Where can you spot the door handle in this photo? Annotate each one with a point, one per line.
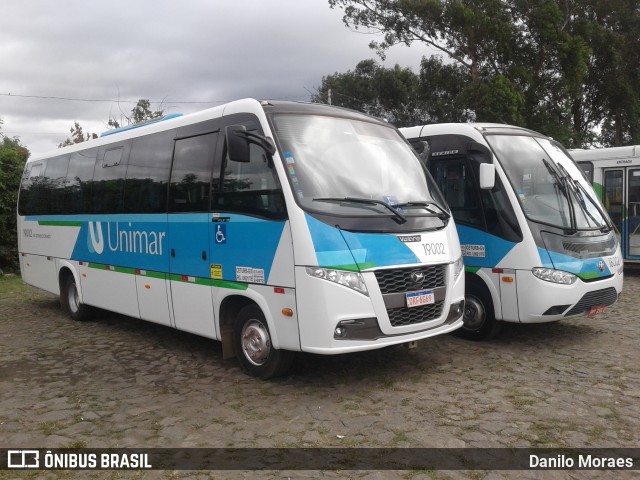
(173, 252)
(204, 255)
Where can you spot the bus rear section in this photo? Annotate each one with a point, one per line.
(537, 245)
(272, 227)
(615, 175)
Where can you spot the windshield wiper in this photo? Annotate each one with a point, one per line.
(583, 196)
(564, 184)
(442, 214)
(399, 217)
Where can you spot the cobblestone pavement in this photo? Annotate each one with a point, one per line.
(118, 382)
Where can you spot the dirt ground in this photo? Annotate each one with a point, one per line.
(120, 382)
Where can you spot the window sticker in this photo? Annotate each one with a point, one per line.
(473, 251)
(250, 275)
(288, 156)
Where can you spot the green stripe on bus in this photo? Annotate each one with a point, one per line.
(471, 269)
(588, 275)
(56, 223)
(208, 282)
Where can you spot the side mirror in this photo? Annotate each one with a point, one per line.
(237, 144)
(487, 176)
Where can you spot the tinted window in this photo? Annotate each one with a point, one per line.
(32, 199)
(251, 187)
(148, 173)
(108, 179)
(79, 180)
(55, 175)
(191, 174)
(456, 182)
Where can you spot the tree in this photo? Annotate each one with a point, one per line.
(398, 94)
(564, 68)
(142, 112)
(77, 136)
(391, 93)
(12, 159)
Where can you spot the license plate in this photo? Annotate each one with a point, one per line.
(597, 310)
(419, 298)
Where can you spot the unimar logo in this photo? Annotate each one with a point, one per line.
(124, 237)
(95, 240)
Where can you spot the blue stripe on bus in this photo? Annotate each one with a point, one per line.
(495, 248)
(336, 247)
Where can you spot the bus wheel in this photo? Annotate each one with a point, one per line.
(253, 346)
(479, 320)
(70, 300)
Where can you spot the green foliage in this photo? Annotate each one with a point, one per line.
(569, 69)
(77, 136)
(142, 112)
(12, 159)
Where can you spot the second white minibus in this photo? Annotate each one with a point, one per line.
(537, 244)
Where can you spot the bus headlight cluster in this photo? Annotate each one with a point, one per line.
(349, 279)
(458, 266)
(555, 276)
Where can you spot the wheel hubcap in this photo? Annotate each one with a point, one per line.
(474, 314)
(74, 302)
(256, 344)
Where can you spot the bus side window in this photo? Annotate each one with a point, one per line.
(55, 176)
(108, 178)
(251, 187)
(79, 181)
(32, 200)
(145, 187)
(455, 181)
(191, 173)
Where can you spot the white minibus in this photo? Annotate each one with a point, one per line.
(536, 242)
(273, 227)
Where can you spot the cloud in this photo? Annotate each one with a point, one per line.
(192, 51)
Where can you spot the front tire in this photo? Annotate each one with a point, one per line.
(70, 300)
(479, 318)
(253, 346)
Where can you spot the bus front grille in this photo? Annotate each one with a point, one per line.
(606, 297)
(396, 280)
(400, 317)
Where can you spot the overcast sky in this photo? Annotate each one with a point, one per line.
(209, 51)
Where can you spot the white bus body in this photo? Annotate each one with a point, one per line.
(274, 227)
(615, 175)
(537, 246)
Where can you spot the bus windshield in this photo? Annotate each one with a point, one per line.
(550, 188)
(341, 166)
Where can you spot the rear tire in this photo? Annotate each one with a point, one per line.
(253, 347)
(70, 301)
(479, 318)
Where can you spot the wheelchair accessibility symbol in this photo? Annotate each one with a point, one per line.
(221, 234)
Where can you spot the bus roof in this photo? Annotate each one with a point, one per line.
(612, 153)
(169, 122)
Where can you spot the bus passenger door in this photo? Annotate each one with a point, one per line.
(633, 214)
(189, 220)
(613, 198)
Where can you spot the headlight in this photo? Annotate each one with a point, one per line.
(351, 280)
(555, 276)
(458, 266)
